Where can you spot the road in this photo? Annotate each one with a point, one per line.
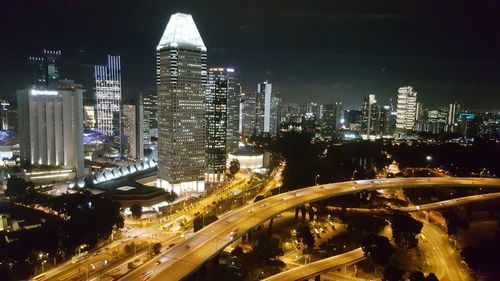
(103, 262)
(186, 257)
(427, 207)
(310, 270)
(441, 254)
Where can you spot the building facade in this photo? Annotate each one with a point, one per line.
(406, 109)
(51, 127)
(133, 130)
(267, 110)
(150, 104)
(108, 95)
(181, 78)
(247, 114)
(370, 114)
(46, 68)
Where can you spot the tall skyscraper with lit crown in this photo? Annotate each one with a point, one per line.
(181, 82)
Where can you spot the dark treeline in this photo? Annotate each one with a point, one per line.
(333, 162)
(83, 219)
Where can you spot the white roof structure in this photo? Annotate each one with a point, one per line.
(181, 32)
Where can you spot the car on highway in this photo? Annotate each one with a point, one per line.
(145, 276)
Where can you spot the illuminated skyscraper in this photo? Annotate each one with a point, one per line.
(453, 110)
(247, 114)
(369, 109)
(406, 109)
(46, 68)
(51, 127)
(150, 103)
(181, 78)
(108, 94)
(133, 132)
(267, 109)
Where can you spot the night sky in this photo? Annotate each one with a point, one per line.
(320, 51)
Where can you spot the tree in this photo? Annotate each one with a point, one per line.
(16, 187)
(454, 222)
(393, 273)
(363, 223)
(201, 220)
(417, 276)
(405, 229)
(156, 248)
(136, 211)
(127, 249)
(267, 248)
(234, 166)
(237, 251)
(431, 277)
(304, 234)
(377, 249)
(171, 196)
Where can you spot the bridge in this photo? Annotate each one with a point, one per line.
(183, 259)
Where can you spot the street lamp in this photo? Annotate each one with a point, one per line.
(353, 173)
(316, 179)
(429, 159)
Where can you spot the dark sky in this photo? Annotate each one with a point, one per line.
(310, 50)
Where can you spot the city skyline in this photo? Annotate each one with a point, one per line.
(364, 50)
(279, 140)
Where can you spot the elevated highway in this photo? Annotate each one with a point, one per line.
(313, 269)
(186, 257)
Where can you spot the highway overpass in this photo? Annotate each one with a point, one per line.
(183, 259)
(311, 270)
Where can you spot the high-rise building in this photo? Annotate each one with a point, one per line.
(406, 109)
(89, 120)
(274, 123)
(4, 116)
(46, 68)
(290, 113)
(339, 115)
(217, 115)
(329, 120)
(453, 110)
(233, 109)
(133, 132)
(150, 103)
(181, 78)
(370, 114)
(108, 94)
(267, 109)
(51, 127)
(433, 120)
(247, 114)
(384, 120)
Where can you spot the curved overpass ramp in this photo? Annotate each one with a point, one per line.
(310, 270)
(426, 207)
(186, 257)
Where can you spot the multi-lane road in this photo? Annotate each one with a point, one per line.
(186, 257)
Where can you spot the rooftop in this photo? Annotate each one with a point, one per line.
(181, 32)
